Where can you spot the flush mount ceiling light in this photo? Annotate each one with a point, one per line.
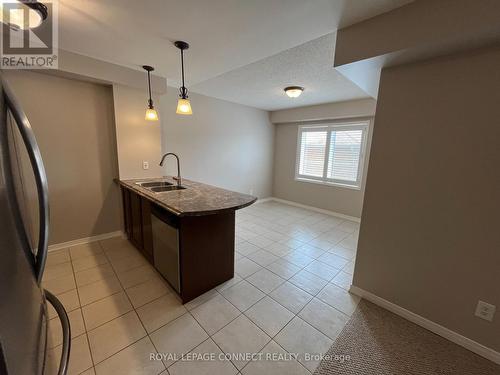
(183, 104)
(151, 114)
(294, 91)
(22, 14)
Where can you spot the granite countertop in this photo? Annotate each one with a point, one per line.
(195, 200)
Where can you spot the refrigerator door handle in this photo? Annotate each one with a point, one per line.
(40, 177)
(66, 332)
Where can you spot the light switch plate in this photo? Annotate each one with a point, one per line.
(485, 311)
(145, 165)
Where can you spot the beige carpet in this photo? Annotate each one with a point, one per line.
(381, 343)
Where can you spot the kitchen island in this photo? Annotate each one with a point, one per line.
(187, 232)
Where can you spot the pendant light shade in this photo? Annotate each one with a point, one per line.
(151, 114)
(183, 104)
(184, 107)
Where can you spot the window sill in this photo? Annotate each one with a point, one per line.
(332, 184)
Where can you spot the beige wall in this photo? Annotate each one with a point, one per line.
(138, 140)
(338, 199)
(74, 126)
(430, 238)
(223, 144)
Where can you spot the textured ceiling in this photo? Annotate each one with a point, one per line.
(261, 84)
(224, 34)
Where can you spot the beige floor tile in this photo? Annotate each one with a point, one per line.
(90, 261)
(324, 318)
(343, 252)
(300, 337)
(241, 336)
(350, 242)
(298, 258)
(58, 257)
(291, 297)
(308, 281)
(349, 267)
(55, 330)
(105, 310)
(274, 361)
(205, 297)
(137, 275)
(90, 371)
(343, 279)
(204, 367)
(245, 267)
(122, 252)
(243, 295)
(246, 248)
(333, 260)
(263, 257)
(129, 262)
(114, 336)
(265, 280)
(160, 311)
(56, 271)
(133, 360)
(322, 270)
(228, 284)
(80, 359)
(312, 250)
(94, 274)
(69, 300)
(283, 268)
(100, 289)
(60, 285)
(279, 249)
(148, 291)
(339, 298)
(269, 315)
(215, 314)
(178, 337)
(115, 243)
(85, 250)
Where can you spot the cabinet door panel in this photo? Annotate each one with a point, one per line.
(136, 218)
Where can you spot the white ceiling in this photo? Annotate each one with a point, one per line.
(261, 83)
(225, 35)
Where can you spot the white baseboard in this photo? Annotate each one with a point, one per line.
(81, 241)
(448, 334)
(312, 208)
(263, 200)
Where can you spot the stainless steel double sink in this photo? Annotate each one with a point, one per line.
(159, 186)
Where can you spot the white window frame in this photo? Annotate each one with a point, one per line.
(361, 124)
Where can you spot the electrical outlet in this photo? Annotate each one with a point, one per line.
(485, 311)
(145, 165)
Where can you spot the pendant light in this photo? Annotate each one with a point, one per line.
(183, 104)
(151, 114)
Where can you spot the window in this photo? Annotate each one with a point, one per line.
(332, 153)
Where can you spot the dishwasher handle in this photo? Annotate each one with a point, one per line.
(66, 332)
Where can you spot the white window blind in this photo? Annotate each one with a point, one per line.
(312, 153)
(332, 153)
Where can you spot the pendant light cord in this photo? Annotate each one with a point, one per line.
(183, 89)
(149, 89)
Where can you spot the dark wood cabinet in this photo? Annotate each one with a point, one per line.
(137, 221)
(204, 244)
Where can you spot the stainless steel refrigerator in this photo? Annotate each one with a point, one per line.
(24, 229)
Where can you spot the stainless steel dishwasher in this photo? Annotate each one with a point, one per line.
(166, 257)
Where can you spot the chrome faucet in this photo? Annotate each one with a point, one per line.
(178, 178)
